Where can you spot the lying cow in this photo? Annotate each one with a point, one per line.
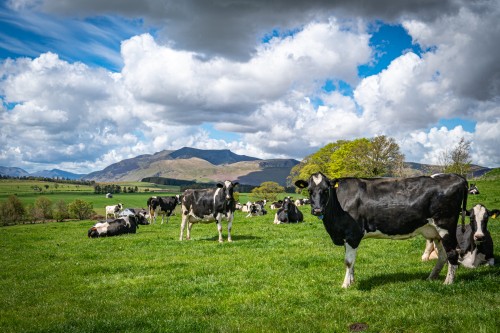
(119, 226)
(475, 244)
(288, 213)
(114, 210)
(208, 205)
(256, 209)
(473, 189)
(140, 213)
(394, 208)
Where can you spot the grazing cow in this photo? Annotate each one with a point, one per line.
(473, 189)
(475, 244)
(119, 226)
(394, 208)
(114, 210)
(207, 205)
(163, 205)
(288, 213)
(140, 213)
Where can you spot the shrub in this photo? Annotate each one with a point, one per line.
(61, 211)
(12, 211)
(80, 209)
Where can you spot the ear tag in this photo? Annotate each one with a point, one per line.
(336, 185)
(494, 216)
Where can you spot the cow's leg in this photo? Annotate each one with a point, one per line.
(441, 260)
(429, 248)
(350, 258)
(450, 246)
(183, 225)
(219, 228)
(229, 227)
(190, 225)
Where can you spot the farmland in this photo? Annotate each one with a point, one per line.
(272, 278)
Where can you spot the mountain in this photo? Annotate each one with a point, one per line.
(56, 173)
(13, 172)
(197, 164)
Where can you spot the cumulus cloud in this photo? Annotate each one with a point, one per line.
(207, 64)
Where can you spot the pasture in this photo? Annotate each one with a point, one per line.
(272, 278)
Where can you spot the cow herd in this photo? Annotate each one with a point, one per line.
(351, 209)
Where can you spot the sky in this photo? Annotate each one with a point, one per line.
(86, 83)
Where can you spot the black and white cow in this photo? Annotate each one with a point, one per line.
(394, 208)
(288, 213)
(113, 210)
(475, 244)
(140, 213)
(256, 209)
(473, 189)
(119, 226)
(208, 205)
(162, 205)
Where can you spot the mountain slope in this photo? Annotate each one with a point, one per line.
(13, 172)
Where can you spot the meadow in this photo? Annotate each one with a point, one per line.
(272, 278)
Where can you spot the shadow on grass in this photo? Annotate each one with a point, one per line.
(234, 237)
(383, 279)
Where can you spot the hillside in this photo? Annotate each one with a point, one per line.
(199, 165)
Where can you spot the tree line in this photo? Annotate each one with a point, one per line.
(112, 188)
(13, 211)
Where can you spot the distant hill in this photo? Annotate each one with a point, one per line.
(56, 173)
(197, 165)
(13, 172)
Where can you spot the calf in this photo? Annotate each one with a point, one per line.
(119, 226)
(394, 208)
(475, 244)
(207, 205)
(288, 213)
(113, 210)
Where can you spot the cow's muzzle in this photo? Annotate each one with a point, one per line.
(478, 238)
(316, 211)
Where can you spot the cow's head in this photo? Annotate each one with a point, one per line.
(479, 216)
(318, 187)
(228, 188)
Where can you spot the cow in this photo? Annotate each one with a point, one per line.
(288, 213)
(140, 213)
(473, 189)
(394, 208)
(164, 205)
(114, 210)
(115, 227)
(207, 205)
(256, 208)
(475, 244)
(276, 205)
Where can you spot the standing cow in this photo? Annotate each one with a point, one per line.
(163, 205)
(207, 205)
(114, 210)
(394, 208)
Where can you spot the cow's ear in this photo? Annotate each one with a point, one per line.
(494, 213)
(301, 183)
(236, 183)
(220, 185)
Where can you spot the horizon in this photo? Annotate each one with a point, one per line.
(87, 84)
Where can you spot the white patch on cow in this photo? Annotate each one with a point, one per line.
(429, 231)
(474, 259)
(216, 194)
(450, 276)
(350, 258)
(436, 175)
(481, 215)
(317, 179)
(227, 183)
(101, 227)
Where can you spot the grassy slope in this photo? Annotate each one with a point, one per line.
(271, 278)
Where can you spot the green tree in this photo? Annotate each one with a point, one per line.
(267, 191)
(12, 211)
(459, 158)
(43, 208)
(80, 209)
(61, 211)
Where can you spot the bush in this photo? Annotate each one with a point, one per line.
(12, 211)
(43, 208)
(61, 211)
(80, 209)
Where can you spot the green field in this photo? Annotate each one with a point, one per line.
(272, 278)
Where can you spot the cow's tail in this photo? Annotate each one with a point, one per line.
(464, 206)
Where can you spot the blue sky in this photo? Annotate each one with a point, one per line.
(85, 84)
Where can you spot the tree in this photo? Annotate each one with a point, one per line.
(267, 191)
(43, 208)
(459, 158)
(12, 211)
(61, 211)
(80, 209)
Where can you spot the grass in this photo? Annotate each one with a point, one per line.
(272, 278)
